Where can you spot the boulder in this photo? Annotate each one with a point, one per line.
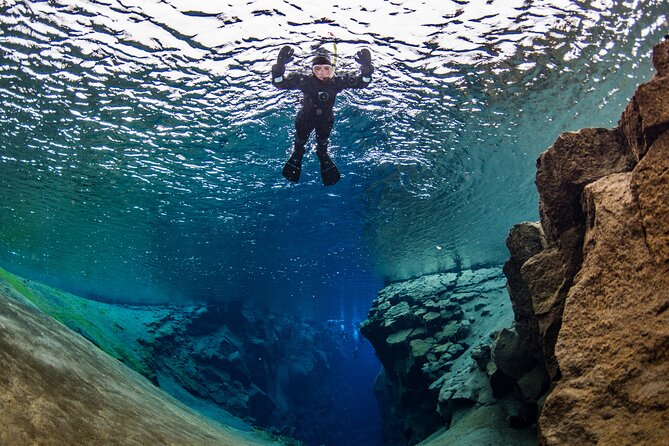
(661, 58)
(482, 356)
(646, 116)
(399, 338)
(510, 354)
(533, 384)
(544, 276)
(525, 240)
(650, 187)
(613, 343)
(573, 161)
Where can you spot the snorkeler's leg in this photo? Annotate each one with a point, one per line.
(293, 167)
(329, 172)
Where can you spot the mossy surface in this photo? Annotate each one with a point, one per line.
(96, 321)
(17, 284)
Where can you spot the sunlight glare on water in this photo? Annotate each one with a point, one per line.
(142, 142)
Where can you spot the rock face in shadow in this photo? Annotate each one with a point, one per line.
(265, 368)
(434, 336)
(599, 290)
(56, 388)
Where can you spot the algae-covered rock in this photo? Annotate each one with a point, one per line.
(420, 347)
(426, 369)
(401, 337)
(56, 388)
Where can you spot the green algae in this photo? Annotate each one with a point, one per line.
(18, 285)
(95, 321)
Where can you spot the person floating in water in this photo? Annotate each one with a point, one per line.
(319, 90)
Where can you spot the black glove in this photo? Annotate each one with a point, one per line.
(363, 57)
(285, 55)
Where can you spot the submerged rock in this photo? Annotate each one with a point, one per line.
(483, 425)
(249, 368)
(59, 389)
(600, 290)
(427, 332)
(575, 160)
(525, 240)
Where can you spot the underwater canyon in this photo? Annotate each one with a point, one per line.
(142, 208)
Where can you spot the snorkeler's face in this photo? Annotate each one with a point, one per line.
(323, 72)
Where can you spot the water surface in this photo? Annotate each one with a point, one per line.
(141, 141)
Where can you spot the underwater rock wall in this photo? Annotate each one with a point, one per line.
(56, 388)
(433, 336)
(587, 353)
(243, 367)
(265, 368)
(595, 297)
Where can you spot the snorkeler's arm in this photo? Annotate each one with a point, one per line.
(279, 79)
(290, 82)
(364, 77)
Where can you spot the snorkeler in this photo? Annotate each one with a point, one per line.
(319, 90)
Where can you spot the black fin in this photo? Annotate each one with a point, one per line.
(329, 172)
(292, 169)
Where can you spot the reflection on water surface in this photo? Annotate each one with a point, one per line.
(142, 142)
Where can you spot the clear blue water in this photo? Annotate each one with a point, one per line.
(141, 142)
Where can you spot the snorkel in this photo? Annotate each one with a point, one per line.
(334, 45)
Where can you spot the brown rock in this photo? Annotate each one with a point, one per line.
(650, 186)
(646, 116)
(613, 347)
(524, 241)
(572, 162)
(544, 275)
(533, 384)
(661, 58)
(510, 355)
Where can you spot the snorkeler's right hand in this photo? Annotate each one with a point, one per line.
(285, 55)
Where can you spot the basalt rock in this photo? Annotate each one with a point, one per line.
(575, 160)
(614, 342)
(517, 368)
(661, 58)
(600, 290)
(544, 275)
(248, 367)
(647, 115)
(650, 187)
(614, 337)
(525, 240)
(259, 366)
(432, 337)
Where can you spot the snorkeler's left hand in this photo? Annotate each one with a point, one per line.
(363, 57)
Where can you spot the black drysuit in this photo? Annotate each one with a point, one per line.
(319, 97)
